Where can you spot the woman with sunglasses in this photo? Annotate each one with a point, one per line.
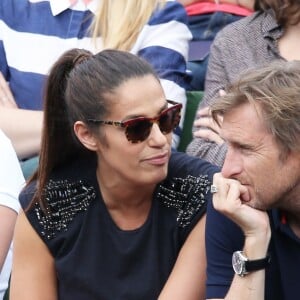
(110, 209)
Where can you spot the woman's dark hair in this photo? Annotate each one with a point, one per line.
(78, 88)
(287, 12)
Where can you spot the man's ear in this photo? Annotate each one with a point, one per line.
(85, 136)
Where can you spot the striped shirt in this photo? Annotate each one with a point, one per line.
(33, 34)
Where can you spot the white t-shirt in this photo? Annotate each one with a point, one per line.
(11, 183)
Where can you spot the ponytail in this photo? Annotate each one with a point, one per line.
(58, 143)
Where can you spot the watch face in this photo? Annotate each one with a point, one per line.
(242, 265)
(237, 263)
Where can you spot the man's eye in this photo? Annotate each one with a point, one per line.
(245, 148)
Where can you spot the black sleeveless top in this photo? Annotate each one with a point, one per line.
(95, 259)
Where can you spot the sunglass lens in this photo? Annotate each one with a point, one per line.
(169, 120)
(138, 130)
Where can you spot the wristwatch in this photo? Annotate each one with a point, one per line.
(242, 265)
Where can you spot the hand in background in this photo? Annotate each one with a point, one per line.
(207, 128)
(6, 96)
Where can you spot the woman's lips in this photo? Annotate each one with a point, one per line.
(160, 159)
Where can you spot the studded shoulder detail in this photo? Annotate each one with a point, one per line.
(64, 201)
(187, 195)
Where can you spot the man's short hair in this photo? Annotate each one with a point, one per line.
(275, 88)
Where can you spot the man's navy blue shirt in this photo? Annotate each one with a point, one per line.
(223, 237)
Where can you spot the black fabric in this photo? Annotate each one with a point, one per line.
(6, 294)
(223, 237)
(94, 258)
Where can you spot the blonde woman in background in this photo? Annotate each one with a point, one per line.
(154, 30)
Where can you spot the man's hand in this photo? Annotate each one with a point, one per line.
(233, 200)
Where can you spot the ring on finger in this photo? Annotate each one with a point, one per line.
(213, 189)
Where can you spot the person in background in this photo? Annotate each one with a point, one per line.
(155, 30)
(253, 225)
(206, 19)
(114, 207)
(271, 33)
(11, 183)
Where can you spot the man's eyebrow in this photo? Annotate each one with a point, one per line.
(241, 145)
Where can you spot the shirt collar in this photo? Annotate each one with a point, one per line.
(58, 6)
(270, 28)
(279, 218)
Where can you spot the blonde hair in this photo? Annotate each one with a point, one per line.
(276, 89)
(119, 22)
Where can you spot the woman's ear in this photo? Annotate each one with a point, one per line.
(85, 136)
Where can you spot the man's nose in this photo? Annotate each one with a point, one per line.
(232, 164)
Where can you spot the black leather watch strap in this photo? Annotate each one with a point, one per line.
(257, 264)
